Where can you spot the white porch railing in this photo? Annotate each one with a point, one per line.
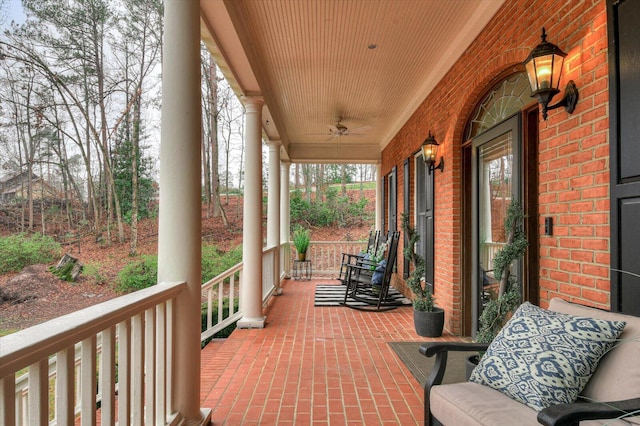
(270, 272)
(137, 368)
(44, 369)
(326, 256)
(227, 285)
(214, 292)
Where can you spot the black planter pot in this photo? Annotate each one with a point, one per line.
(429, 324)
(471, 364)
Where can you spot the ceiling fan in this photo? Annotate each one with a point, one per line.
(340, 129)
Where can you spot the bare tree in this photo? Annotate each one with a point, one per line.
(141, 29)
(211, 114)
(307, 176)
(69, 43)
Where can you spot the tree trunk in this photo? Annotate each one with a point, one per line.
(215, 178)
(135, 141)
(307, 175)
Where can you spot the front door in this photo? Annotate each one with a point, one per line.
(499, 163)
(497, 181)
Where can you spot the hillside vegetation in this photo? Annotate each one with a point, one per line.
(31, 294)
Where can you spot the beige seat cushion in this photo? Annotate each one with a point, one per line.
(471, 404)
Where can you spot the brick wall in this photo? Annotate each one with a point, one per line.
(573, 149)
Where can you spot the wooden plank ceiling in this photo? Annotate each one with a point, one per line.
(339, 77)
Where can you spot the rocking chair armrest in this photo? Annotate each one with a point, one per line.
(355, 259)
(430, 349)
(358, 266)
(350, 256)
(572, 414)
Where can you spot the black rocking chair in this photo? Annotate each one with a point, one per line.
(355, 258)
(361, 285)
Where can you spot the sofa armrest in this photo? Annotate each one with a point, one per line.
(441, 350)
(432, 348)
(572, 414)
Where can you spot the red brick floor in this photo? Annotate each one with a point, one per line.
(313, 365)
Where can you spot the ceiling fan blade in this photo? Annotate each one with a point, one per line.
(360, 129)
(334, 129)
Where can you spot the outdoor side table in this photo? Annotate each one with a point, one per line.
(301, 270)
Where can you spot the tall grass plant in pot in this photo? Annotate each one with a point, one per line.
(301, 239)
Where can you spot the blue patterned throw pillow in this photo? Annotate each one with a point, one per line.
(542, 358)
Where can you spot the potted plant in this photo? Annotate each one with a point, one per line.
(301, 239)
(497, 311)
(428, 319)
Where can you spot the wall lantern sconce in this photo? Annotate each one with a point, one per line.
(430, 152)
(544, 67)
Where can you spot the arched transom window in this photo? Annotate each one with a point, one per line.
(504, 100)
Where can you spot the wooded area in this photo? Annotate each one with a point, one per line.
(80, 96)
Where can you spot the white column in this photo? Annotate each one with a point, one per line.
(273, 208)
(285, 216)
(251, 285)
(179, 245)
(379, 200)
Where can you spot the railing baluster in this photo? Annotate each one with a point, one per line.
(88, 382)
(137, 369)
(124, 373)
(220, 301)
(210, 307)
(107, 375)
(38, 393)
(22, 406)
(149, 366)
(161, 359)
(232, 294)
(8, 400)
(171, 317)
(65, 380)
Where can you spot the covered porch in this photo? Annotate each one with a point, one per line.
(291, 362)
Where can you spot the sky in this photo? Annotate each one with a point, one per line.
(12, 12)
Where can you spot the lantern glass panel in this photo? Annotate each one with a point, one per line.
(558, 63)
(544, 68)
(531, 73)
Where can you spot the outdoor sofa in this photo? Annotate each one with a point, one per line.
(616, 378)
